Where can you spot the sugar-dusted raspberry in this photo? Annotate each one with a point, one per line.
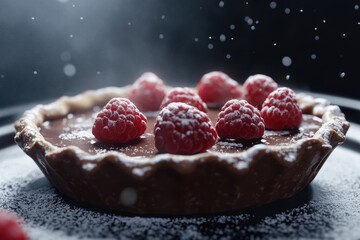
(239, 120)
(183, 129)
(185, 95)
(257, 87)
(120, 121)
(10, 227)
(280, 110)
(215, 88)
(148, 92)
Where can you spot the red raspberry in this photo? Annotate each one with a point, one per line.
(10, 228)
(120, 121)
(185, 95)
(239, 120)
(281, 111)
(256, 88)
(215, 88)
(183, 129)
(148, 92)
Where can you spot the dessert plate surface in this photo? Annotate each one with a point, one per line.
(327, 208)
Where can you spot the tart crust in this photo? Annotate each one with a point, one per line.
(176, 184)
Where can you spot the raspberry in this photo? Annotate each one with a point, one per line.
(239, 120)
(10, 228)
(215, 88)
(185, 95)
(183, 129)
(256, 88)
(148, 92)
(281, 111)
(120, 121)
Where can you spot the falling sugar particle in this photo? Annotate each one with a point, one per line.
(232, 38)
(252, 27)
(315, 28)
(273, 5)
(128, 196)
(286, 61)
(287, 10)
(228, 56)
(210, 37)
(161, 36)
(163, 17)
(81, 18)
(35, 72)
(210, 46)
(32, 18)
(69, 70)
(196, 39)
(65, 56)
(71, 36)
(222, 38)
(232, 26)
(257, 21)
(2, 76)
(356, 7)
(63, 1)
(317, 38)
(98, 73)
(344, 34)
(301, 10)
(221, 3)
(313, 56)
(129, 23)
(287, 77)
(342, 75)
(248, 20)
(324, 21)
(275, 44)
(73, 5)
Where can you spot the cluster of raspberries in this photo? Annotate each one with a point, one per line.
(183, 125)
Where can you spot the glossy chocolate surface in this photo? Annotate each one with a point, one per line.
(75, 129)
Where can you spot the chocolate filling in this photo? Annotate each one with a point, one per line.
(75, 129)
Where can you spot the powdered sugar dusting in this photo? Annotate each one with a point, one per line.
(289, 155)
(276, 133)
(77, 134)
(80, 129)
(229, 143)
(328, 209)
(89, 166)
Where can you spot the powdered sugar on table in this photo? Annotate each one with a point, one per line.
(328, 208)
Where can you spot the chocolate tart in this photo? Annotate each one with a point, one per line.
(135, 178)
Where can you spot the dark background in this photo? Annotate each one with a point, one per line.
(50, 48)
